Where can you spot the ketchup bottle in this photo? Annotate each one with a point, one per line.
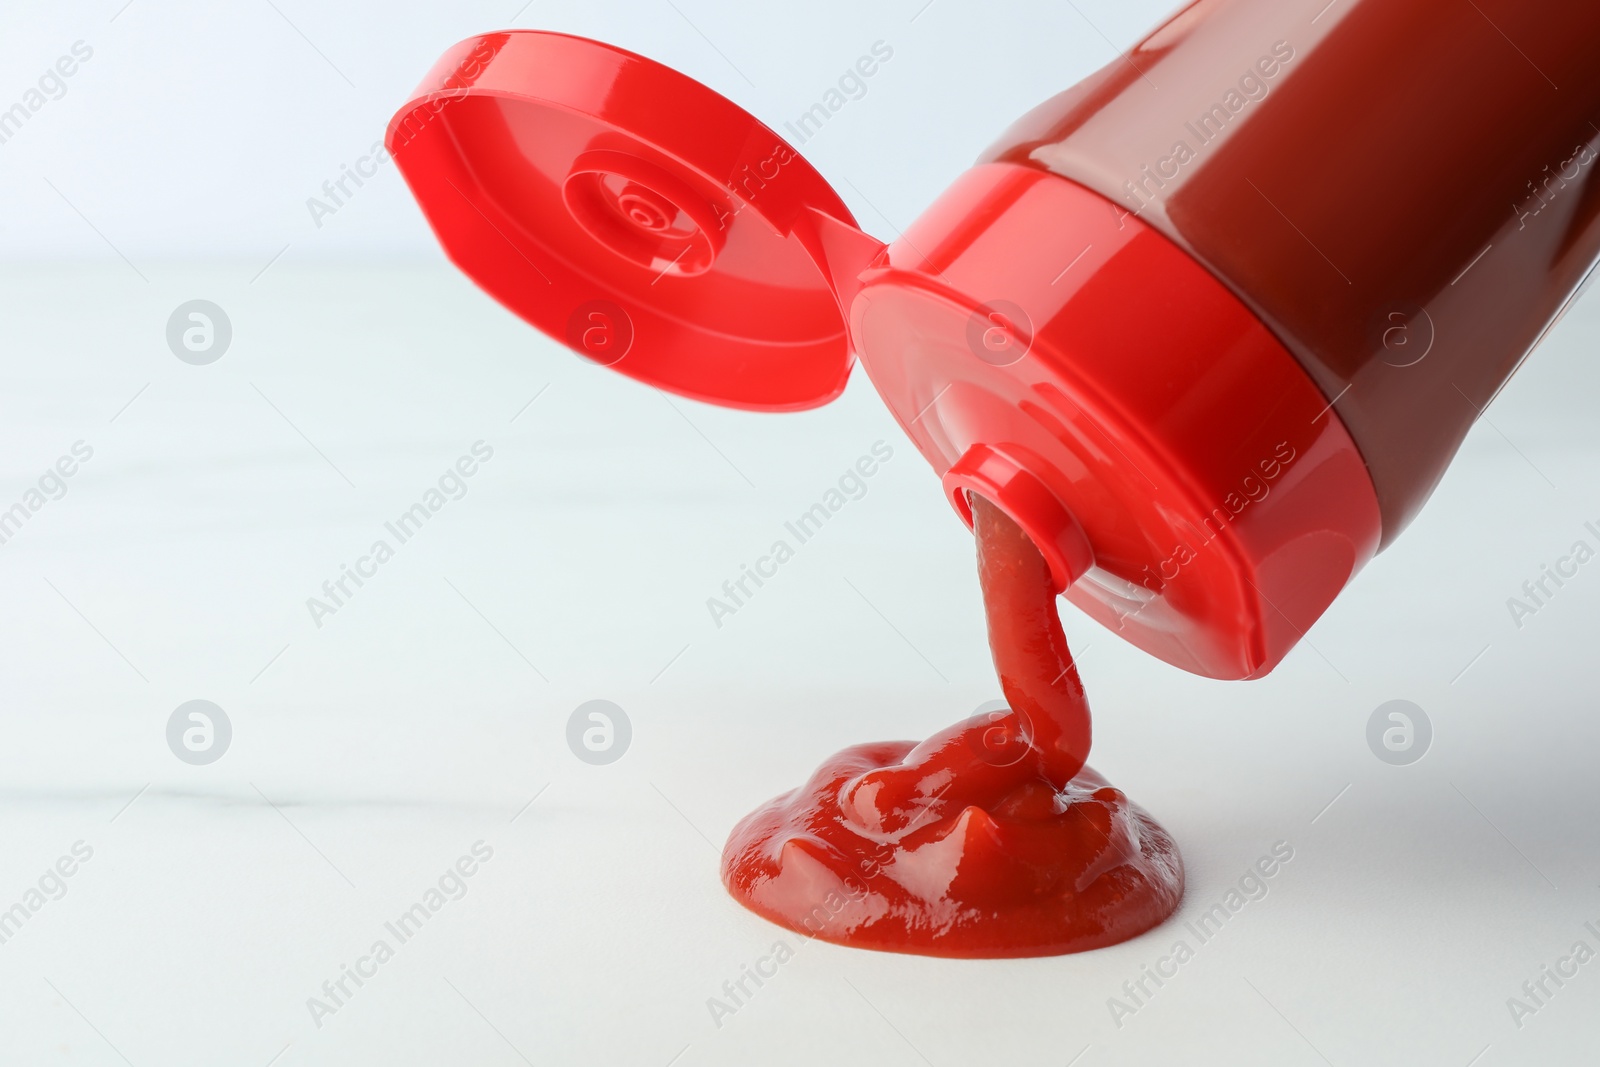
(1209, 326)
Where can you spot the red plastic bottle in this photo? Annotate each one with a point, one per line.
(1208, 326)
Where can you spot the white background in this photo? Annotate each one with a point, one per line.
(200, 128)
(370, 753)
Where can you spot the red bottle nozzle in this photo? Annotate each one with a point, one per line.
(1008, 482)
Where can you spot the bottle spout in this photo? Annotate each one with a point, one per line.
(1005, 480)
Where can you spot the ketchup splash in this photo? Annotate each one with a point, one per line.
(989, 839)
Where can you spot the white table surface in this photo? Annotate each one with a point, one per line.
(370, 753)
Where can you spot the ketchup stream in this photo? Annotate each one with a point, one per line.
(991, 838)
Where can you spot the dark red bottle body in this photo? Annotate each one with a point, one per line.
(1404, 191)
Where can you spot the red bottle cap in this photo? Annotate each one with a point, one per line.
(1188, 483)
(627, 210)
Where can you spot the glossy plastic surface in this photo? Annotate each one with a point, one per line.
(630, 212)
(1405, 191)
(1183, 477)
(1223, 508)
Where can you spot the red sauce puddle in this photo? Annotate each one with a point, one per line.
(989, 839)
